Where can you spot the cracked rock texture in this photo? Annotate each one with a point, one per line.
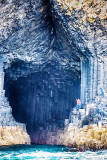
(51, 53)
(88, 137)
(13, 135)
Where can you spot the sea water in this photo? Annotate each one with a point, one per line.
(47, 152)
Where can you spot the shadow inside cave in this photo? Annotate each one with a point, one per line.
(42, 98)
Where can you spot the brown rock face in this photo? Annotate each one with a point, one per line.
(13, 136)
(88, 137)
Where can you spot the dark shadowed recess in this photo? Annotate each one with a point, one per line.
(43, 97)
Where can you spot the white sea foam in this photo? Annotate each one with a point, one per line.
(53, 154)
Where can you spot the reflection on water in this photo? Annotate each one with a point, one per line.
(47, 152)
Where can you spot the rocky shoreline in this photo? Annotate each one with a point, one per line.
(87, 138)
(90, 137)
(13, 135)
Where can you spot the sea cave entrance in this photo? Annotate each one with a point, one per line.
(42, 98)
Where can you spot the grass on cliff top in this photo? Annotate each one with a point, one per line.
(93, 8)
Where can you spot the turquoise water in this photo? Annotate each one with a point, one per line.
(46, 152)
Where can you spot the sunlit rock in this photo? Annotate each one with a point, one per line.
(88, 137)
(13, 135)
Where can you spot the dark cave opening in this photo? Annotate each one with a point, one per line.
(44, 97)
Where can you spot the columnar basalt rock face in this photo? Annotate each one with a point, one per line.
(90, 41)
(46, 53)
(89, 37)
(8, 125)
(29, 46)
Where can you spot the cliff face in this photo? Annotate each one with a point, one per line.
(90, 40)
(88, 137)
(11, 132)
(26, 31)
(51, 55)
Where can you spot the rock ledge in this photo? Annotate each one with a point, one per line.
(13, 135)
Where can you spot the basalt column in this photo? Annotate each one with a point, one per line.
(1, 79)
(5, 110)
(9, 128)
(85, 80)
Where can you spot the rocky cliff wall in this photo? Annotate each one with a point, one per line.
(89, 38)
(48, 47)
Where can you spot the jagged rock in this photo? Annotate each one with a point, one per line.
(13, 135)
(11, 132)
(51, 54)
(88, 137)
